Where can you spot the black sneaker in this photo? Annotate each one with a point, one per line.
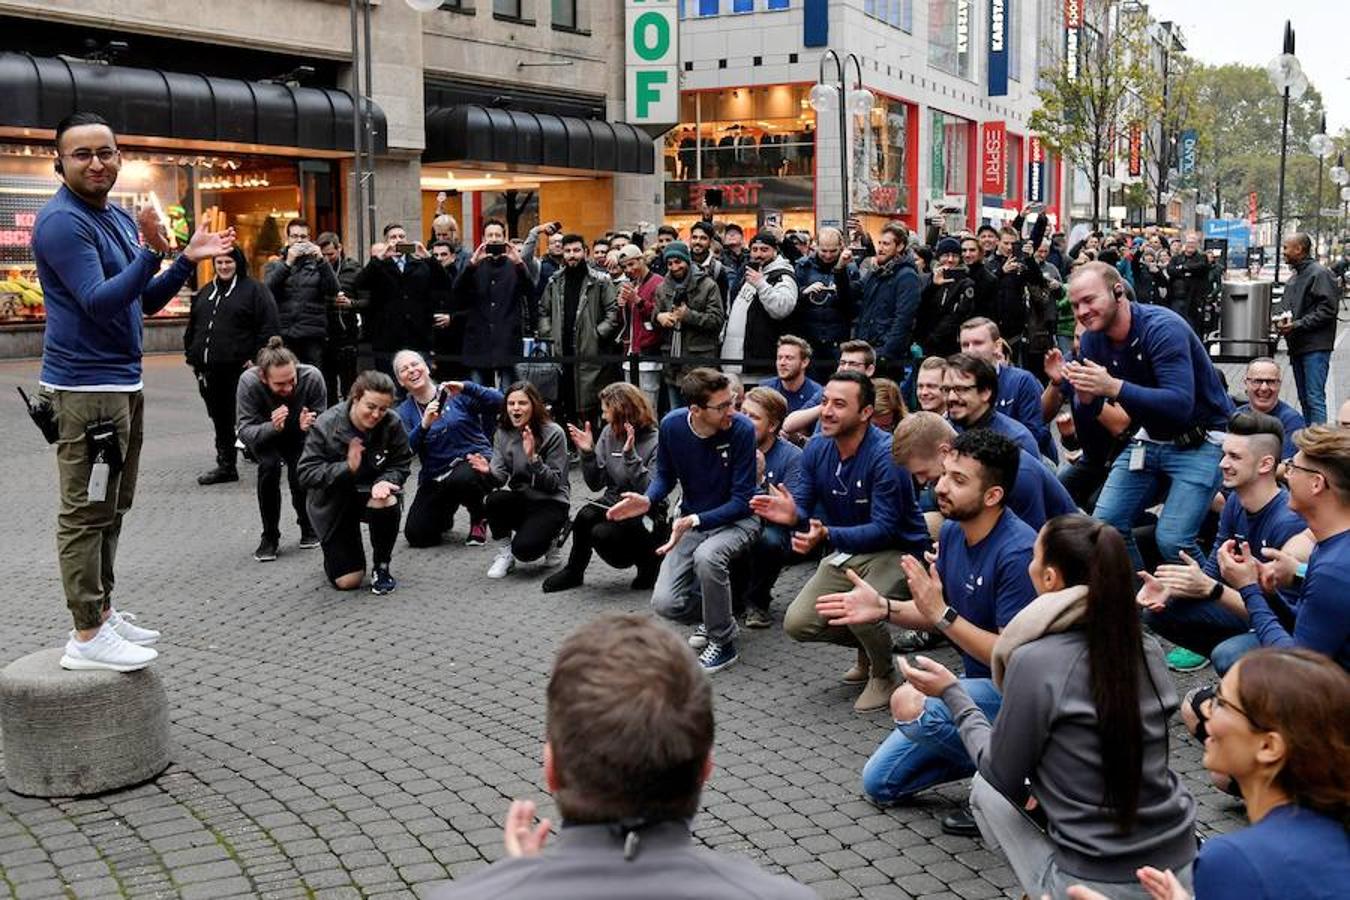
(912, 641)
(758, 618)
(267, 549)
(645, 579)
(218, 475)
(381, 582)
(309, 539)
(562, 580)
(961, 823)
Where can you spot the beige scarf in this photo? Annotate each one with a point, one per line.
(1047, 614)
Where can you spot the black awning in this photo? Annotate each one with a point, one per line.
(40, 91)
(480, 134)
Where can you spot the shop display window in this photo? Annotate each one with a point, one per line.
(880, 164)
(761, 132)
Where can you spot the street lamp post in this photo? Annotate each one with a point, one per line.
(1321, 147)
(858, 101)
(1340, 177)
(1287, 75)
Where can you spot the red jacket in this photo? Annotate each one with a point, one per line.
(640, 331)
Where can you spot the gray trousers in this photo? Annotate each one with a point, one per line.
(695, 581)
(1031, 853)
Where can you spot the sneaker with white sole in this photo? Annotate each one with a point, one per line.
(122, 623)
(699, 639)
(554, 557)
(716, 657)
(477, 534)
(503, 564)
(106, 650)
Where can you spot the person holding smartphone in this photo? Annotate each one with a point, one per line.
(303, 285)
(355, 462)
(405, 287)
(619, 460)
(496, 295)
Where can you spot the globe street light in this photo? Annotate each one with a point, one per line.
(1321, 147)
(827, 98)
(1286, 74)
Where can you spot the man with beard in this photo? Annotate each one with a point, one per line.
(759, 314)
(689, 307)
(100, 275)
(702, 236)
(890, 302)
(947, 301)
(792, 361)
(970, 593)
(867, 515)
(735, 258)
(971, 386)
(579, 314)
(826, 300)
(986, 282)
(1263, 395)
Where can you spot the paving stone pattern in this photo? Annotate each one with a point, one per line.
(356, 746)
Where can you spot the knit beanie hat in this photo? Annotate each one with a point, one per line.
(947, 245)
(677, 250)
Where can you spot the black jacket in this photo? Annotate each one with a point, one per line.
(1187, 279)
(343, 327)
(497, 299)
(1311, 295)
(304, 293)
(228, 324)
(942, 309)
(399, 305)
(986, 291)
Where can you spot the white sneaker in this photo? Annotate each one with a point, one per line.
(122, 624)
(106, 650)
(503, 564)
(554, 556)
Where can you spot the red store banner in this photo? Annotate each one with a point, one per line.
(994, 159)
(1136, 149)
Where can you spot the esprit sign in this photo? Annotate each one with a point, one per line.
(993, 163)
(652, 45)
(998, 47)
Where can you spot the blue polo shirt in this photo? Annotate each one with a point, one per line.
(1037, 495)
(781, 462)
(1290, 418)
(808, 395)
(1270, 526)
(866, 501)
(716, 474)
(1019, 398)
(1322, 622)
(1010, 428)
(987, 583)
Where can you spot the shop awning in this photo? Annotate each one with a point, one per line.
(481, 134)
(40, 91)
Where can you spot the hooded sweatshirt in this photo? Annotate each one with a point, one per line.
(759, 315)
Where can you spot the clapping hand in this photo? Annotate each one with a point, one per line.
(777, 506)
(529, 444)
(1185, 579)
(479, 463)
(1054, 365)
(279, 417)
(677, 531)
(860, 606)
(520, 835)
(629, 436)
(153, 233)
(925, 588)
(1091, 379)
(355, 449)
(927, 676)
(1153, 595)
(307, 417)
(206, 244)
(630, 506)
(582, 438)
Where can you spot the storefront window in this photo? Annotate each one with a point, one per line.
(254, 194)
(950, 35)
(880, 163)
(950, 155)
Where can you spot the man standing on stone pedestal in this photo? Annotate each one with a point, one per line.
(100, 272)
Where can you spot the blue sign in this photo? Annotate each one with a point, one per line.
(998, 47)
(1238, 233)
(1189, 152)
(816, 23)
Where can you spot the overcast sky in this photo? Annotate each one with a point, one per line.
(1251, 31)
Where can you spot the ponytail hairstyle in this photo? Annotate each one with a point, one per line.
(1088, 552)
(274, 354)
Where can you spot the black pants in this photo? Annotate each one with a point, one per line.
(343, 552)
(282, 451)
(531, 525)
(217, 385)
(620, 544)
(754, 574)
(339, 369)
(437, 501)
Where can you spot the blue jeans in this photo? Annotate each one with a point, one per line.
(1310, 377)
(926, 752)
(1194, 479)
(1231, 650)
(1197, 624)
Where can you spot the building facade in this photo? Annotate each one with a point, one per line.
(944, 134)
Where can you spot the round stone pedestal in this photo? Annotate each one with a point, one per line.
(68, 734)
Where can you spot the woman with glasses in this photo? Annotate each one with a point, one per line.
(1278, 727)
(1073, 781)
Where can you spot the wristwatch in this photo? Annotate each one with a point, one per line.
(947, 619)
(1215, 592)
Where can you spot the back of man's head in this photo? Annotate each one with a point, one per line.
(630, 723)
(920, 435)
(1328, 448)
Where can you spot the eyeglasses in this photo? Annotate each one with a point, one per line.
(1290, 464)
(720, 407)
(1264, 382)
(1221, 702)
(84, 157)
(957, 388)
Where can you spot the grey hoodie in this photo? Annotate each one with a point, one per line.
(614, 471)
(543, 479)
(1046, 731)
(330, 486)
(254, 403)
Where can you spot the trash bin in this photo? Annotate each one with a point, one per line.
(1245, 321)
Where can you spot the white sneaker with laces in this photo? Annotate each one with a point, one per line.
(122, 623)
(503, 564)
(106, 650)
(554, 556)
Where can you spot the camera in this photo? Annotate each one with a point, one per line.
(443, 397)
(495, 249)
(405, 247)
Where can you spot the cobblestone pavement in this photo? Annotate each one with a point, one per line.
(356, 746)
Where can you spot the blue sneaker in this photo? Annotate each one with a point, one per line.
(381, 582)
(716, 657)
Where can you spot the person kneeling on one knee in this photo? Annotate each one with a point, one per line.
(355, 462)
(618, 461)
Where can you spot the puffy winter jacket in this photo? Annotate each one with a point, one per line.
(229, 323)
(759, 315)
(890, 302)
(303, 290)
(825, 316)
